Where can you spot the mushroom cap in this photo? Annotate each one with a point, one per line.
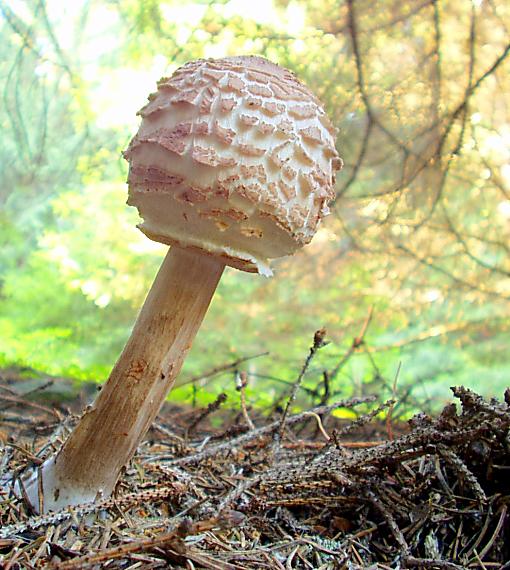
(236, 157)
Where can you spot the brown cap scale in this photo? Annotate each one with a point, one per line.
(236, 157)
(233, 164)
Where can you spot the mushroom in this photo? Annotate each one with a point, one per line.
(233, 164)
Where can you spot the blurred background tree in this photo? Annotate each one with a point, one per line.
(410, 274)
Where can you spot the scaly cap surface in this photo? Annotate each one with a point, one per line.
(234, 156)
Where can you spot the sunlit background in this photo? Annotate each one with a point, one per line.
(414, 258)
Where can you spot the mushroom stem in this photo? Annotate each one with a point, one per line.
(88, 465)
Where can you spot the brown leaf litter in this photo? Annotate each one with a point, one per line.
(260, 494)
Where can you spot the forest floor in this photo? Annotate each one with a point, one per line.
(230, 489)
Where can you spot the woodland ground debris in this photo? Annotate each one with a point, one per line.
(336, 494)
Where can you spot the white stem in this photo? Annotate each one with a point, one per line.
(88, 465)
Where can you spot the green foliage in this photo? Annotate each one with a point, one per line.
(419, 233)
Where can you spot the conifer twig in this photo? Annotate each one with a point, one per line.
(318, 342)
